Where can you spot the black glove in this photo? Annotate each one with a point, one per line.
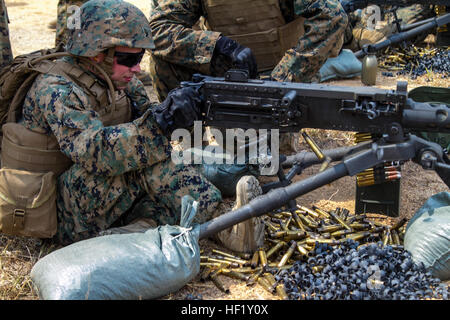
(180, 109)
(242, 57)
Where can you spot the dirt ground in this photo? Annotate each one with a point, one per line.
(29, 30)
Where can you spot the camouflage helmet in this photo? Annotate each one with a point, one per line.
(106, 24)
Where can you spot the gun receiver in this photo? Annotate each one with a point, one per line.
(237, 102)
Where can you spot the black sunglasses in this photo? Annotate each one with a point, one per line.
(129, 59)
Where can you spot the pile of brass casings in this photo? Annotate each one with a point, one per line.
(415, 61)
(292, 236)
(388, 171)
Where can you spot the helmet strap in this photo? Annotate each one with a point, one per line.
(108, 62)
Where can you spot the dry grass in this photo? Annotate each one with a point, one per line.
(29, 21)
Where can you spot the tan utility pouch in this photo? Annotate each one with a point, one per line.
(27, 203)
(27, 150)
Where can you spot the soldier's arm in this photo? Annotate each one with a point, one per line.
(175, 40)
(63, 108)
(324, 31)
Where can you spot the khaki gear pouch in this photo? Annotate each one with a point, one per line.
(27, 203)
(24, 149)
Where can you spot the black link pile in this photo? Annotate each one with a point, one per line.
(415, 62)
(355, 272)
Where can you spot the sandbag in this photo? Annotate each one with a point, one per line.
(345, 65)
(131, 266)
(427, 235)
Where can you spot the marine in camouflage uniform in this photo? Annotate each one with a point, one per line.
(182, 51)
(6, 56)
(62, 16)
(358, 34)
(120, 172)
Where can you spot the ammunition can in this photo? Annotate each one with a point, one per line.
(288, 254)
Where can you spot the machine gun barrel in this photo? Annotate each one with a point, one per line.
(402, 36)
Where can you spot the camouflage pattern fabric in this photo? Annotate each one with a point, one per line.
(6, 55)
(114, 167)
(182, 51)
(61, 19)
(360, 34)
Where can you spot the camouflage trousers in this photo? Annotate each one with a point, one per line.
(6, 55)
(359, 34)
(62, 16)
(88, 204)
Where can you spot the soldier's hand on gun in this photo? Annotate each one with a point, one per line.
(179, 110)
(242, 57)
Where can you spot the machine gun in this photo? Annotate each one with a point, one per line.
(353, 5)
(235, 101)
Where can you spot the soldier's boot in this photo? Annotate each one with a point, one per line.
(248, 235)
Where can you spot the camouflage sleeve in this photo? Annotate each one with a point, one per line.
(325, 24)
(138, 96)
(175, 40)
(61, 107)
